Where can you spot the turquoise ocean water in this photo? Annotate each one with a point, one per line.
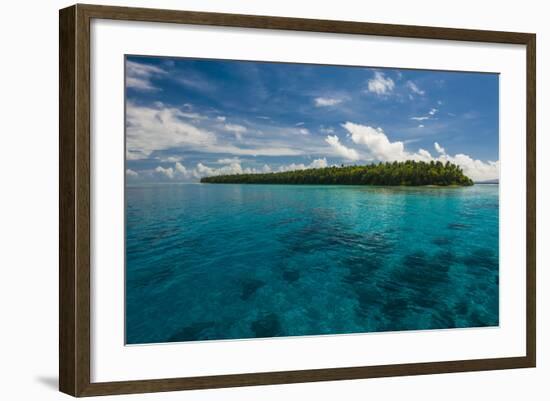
(213, 261)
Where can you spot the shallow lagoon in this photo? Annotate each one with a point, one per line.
(215, 261)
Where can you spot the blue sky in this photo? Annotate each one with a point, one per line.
(187, 118)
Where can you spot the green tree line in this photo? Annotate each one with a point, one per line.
(409, 172)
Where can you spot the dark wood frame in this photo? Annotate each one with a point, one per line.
(74, 199)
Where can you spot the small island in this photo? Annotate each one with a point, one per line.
(408, 173)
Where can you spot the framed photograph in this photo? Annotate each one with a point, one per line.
(250, 200)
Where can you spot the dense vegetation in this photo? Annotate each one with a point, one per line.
(409, 172)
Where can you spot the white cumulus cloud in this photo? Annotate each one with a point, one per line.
(341, 150)
(181, 169)
(382, 149)
(380, 84)
(166, 172)
(179, 172)
(317, 163)
(477, 170)
(376, 141)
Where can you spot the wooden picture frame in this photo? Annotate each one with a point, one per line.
(74, 200)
